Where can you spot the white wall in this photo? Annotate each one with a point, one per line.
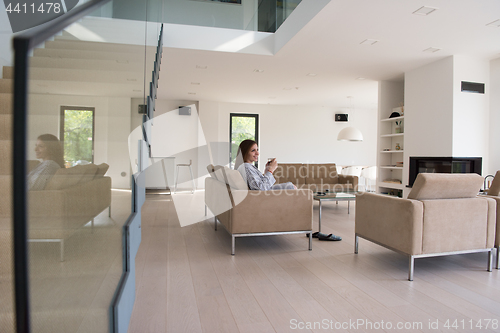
(177, 136)
(429, 109)
(471, 110)
(112, 124)
(494, 123)
(297, 133)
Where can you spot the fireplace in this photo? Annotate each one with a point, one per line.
(443, 165)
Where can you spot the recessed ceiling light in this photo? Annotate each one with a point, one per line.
(258, 70)
(195, 83)
(201, 67)
(494, 24)
(191, 93)
(425, 10)
(369, 42)
(360, 78)
(312, 74)
(432, 50)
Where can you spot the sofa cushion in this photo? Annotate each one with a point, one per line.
(66, 177)
(101, 170)
(291, 172)
(495, 185)
(234, 179)
(219, 173)
(445, 186)
(210, 169)
(325, 173)
(90, 171)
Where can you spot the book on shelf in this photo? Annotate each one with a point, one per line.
(392, 181)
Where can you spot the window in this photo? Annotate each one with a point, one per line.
(241, 127)
(77, 134)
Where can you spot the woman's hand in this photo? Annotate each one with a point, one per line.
(271, 166)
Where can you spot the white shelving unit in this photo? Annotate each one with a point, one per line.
(391, 154)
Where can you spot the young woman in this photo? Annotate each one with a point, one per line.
(248, 153)
(50, 151)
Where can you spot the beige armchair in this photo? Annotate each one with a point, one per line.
(246, 213)
(442, 216)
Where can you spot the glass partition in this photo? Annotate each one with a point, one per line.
(85, 86)
(253, 15)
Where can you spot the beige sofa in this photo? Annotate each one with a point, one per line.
(246, 213)
(72, 198)
(494, 193)
(316, 177)
(441, 216)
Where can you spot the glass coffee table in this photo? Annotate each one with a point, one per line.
(334, 196)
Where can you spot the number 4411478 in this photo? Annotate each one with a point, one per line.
(43, 8)
(472, 324)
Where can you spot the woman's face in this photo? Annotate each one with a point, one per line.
(41, 150)
(253, 154)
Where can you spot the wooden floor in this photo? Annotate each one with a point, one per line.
(187, 281)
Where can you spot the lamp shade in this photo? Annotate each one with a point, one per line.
(350, 134)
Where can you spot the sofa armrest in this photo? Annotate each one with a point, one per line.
(497, 234)
(346, 179)
(393, 222)
(272, 211)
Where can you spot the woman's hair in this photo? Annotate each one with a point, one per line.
(54, 148)
(243, 150)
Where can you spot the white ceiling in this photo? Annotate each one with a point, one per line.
(329, 46)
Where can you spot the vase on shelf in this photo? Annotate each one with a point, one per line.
(398, 129)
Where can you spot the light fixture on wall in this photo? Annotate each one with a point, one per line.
(350, 134)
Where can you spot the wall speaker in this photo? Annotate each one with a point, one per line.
(341, 117)
(184, 110)
(142, 109)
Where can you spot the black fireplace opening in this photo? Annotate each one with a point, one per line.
(443, 165)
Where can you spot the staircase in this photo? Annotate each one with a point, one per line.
(6, 309)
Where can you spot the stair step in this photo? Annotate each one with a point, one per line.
(87, 54)
(8, 72)
(92, 46)
(5, 103)
(6, 86)
(5, 127)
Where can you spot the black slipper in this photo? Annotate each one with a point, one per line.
(315, 234)
(330, 237)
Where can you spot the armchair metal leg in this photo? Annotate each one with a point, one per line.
(109, 211)
(310, 241)
(498, 258)
(356, 244)
(232, 244)
(205, 210)
(412, 267)
(215, 220)
(490, 260)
